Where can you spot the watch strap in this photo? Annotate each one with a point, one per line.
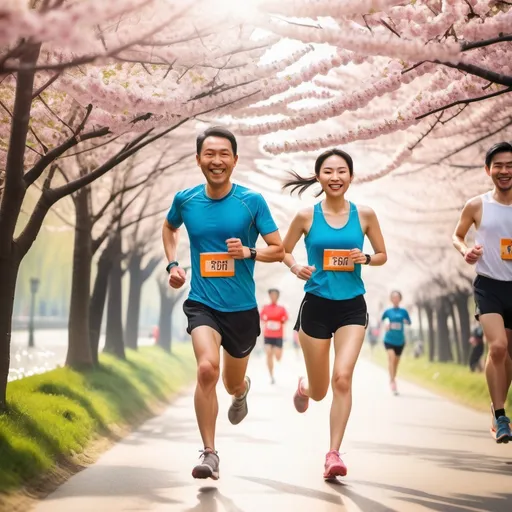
(170, 265)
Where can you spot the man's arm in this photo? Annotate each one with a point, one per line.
(274, 250)
(466, 220)
(171, 237)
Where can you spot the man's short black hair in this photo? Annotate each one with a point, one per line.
(216, 131)
(500, 147)
(273, 290)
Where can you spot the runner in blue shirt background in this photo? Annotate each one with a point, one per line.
(394, 339)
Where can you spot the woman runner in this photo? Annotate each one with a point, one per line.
(334, 305)
(394, 339)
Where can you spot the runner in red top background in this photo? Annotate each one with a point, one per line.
(273, 317)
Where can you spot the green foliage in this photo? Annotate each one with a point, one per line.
(57, 413)
(449, 379)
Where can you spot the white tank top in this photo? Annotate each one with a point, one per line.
(495, 235)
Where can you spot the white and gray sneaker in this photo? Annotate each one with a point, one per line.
(209, 465)
(238, 410)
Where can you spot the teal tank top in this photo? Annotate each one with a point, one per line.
(329, 284)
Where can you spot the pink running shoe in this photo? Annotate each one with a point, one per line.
(300, 400)
(334, 466)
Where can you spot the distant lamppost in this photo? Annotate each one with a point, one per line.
(34, 286)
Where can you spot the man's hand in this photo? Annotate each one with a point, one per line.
(236, 250)
(177, 277)
(473, 255)
(357, 256)
(303, 272)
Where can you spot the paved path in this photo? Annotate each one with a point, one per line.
(415, 452)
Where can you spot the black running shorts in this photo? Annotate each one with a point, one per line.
(320, 318)
(492, 296)
(274, 342)
(397, 349)
(239, 330)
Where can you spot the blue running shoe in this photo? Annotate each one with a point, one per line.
(503, 432)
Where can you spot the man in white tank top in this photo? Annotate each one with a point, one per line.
(491, 214)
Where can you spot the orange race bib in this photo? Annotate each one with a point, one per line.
(338, 260)
(506, 248)
(217, 264)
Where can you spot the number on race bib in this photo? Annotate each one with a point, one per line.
(217, 264)
(272, 325)
(395, 326)
(506, 249)
(338, 260)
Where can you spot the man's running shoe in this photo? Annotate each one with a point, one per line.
(393, 387)
(300, 400)
(334, 466)
(503, 432)
(209, 465)
(238, 410)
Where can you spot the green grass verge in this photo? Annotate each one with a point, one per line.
(451, 380)
(56, 414)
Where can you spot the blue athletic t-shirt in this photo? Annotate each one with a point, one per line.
(242, 214)
(334, 285)
(396, 317)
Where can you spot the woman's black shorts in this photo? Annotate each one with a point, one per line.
(320, 318)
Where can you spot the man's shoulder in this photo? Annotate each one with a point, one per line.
(247, 195)
(188, 193)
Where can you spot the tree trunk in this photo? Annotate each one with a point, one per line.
(98, 299)
(165, 324)
(461, 302)
(11, 202)
(444, 349)
(79, 349)
(8, 274)
(133, 310)
(138, 276)
(456, 337)
(420, 323)
(431, 332)
(114, 343)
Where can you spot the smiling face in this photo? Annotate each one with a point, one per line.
(500, 171)
(334, 176)
(217, 161)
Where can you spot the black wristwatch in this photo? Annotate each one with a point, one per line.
(253, 253)
(368, 259)
(171, 264)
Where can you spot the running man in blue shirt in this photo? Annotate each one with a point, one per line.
(394, 339)
(223, 222)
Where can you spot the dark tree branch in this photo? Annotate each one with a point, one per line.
(486, 74)
(389, 27)
(466, 102)
(52, 155)
(487, 42)
(46, 85)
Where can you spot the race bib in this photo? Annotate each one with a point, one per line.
(272, 325)
(506, 248)
(217, 264)
(395, 326)
(338, 260)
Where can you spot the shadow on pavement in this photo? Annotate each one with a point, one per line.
(209, 498)
(451, 459)
(467, 432)
(457, 503)
(287, 488)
